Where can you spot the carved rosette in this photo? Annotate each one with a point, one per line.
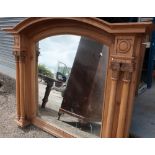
(17, 52)
(16, 41)
(123, 56)
(124, 46)
(122, 62)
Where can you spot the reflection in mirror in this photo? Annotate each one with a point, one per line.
(71, 77)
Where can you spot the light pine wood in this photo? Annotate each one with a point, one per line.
(138, 54)
(52, 129)
(123, 109)
(110, 114)
(22, 85)
(124, 41)
(17, 89)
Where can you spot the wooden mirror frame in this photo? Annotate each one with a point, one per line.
(126, 53)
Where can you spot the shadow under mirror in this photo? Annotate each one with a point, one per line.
(71, 79)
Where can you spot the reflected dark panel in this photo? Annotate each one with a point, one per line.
(83, 97)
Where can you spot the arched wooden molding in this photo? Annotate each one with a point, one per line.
(125, 50)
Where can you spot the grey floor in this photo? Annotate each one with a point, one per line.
(143, 120)
(8, 126)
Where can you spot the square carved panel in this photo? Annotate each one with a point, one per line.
(124, 46)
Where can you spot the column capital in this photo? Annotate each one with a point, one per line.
(19, 55)
(115, 67)
(127, 67)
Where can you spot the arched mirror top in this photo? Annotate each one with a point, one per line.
(91, 21)
(38, 28)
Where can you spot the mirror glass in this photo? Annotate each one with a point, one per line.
(71, 79)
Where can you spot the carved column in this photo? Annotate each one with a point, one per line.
(127, 69)
(115, 67)
(22, 85)
(122, 58)
(15, 53)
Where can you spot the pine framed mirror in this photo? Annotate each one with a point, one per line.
(98, 86)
